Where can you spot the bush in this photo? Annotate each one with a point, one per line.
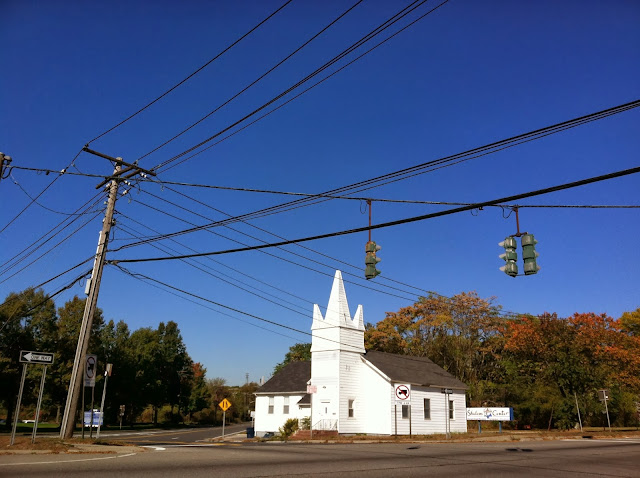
(289, 428)
(305, 423)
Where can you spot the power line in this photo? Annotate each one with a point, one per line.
(162, 211)
(469, 154)
(87, 205)
(301, 256)
(253, 316)
(48, 251)
(49, 296)
(381, 200)
(224, 138)
(277, 65)
(376, 31)
(403, 221)
(191, 75)
(40, 194)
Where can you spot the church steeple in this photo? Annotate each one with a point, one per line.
(337, 330)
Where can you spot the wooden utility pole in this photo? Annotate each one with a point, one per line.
(68, 422)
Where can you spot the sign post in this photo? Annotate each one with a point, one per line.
(603, 395)
(107, 374)
(402, 394)
(224, 404)
(17, 412)
(311, 389)
(122, 408)
(90, 366)
(447, 392)
(27, 357)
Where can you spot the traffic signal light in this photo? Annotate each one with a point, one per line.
(371, 260)
(510, 256)
(529, 254)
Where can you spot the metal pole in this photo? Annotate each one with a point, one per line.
(82, 412)
(369, 204)
(17, 412)
(310, 419)
(578, 408)
(104, 392)
(93, 393)
(71, 405)
(607, 409)
(224, 419)
(35, 421)
(395, 416)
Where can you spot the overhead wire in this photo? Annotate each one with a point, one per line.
(472, 153)
(372, 34)
(181, 82)
(144, 277)
(39, 194)
(253, 83)
(42, 240)
(373, 199)
(423, 217)
(48, 296)
(428, 292)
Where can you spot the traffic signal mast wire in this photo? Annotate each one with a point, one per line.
(447, 212)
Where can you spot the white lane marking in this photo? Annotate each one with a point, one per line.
(67, 461)
(156, 448)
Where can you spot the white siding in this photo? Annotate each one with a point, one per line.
(417, 424)
(271, 422)
(376, 397)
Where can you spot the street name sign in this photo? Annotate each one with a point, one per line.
(225, 404)
(448, 391)
(27, 356)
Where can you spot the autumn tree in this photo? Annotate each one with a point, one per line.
(630, 322)
(455, 333)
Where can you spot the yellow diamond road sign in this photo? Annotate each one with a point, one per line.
(225, 404)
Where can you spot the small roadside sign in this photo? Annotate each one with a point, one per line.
(90, 370)
(225, 404)
(27, 356)
(312, 389)
(402, 393)
(448, 391)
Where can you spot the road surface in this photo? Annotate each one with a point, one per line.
(571, 458)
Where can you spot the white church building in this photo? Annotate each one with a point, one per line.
(357, 391)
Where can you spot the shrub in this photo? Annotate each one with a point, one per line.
(289, 428)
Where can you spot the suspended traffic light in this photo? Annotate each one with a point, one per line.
(510, 256)
(529, 254)
(371, 260)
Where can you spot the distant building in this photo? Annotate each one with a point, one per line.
(358, 391)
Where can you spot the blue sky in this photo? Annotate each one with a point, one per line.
(469, 74)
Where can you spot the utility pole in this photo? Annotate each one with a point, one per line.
(68, 422)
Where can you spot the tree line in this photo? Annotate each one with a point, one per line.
(153, 375)
(545, 367)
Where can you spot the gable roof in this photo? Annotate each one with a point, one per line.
(413, 370)
(292, 378)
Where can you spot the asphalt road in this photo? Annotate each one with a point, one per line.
(180, 436)
(574, 458)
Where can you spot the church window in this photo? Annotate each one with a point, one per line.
(271, 399)
(427, 409)
(405, 411)
(451, 411)
(351, 408)
(285, 408)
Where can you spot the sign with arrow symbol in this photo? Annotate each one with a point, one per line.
(28, 356)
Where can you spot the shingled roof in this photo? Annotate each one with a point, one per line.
(292, 378)
(413, 370)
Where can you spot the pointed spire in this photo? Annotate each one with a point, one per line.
(358, 320)
(338, 308)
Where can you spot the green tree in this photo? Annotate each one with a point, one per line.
(27, 322)
(296, 353)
